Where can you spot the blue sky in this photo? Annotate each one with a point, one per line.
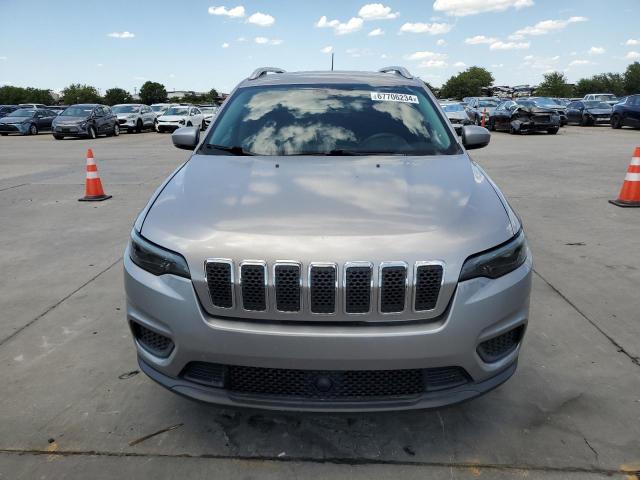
(197, 45)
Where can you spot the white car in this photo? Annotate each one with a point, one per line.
(209, 112)
(160, 108)
(135, 117)
(609, 98)
(181, 116)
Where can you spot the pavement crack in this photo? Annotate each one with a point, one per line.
(57, 304)
(13, 186)
(635, 360)
(151, 435)
(595, 452)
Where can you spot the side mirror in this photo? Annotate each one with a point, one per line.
(186, 137)
(475, 137)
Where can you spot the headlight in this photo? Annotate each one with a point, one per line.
(155, 259)
(181, 122)
(131, 116)
(498, 261)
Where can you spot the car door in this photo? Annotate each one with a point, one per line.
(631, 111)
(47, 118)
(574, 114)
(198, 117)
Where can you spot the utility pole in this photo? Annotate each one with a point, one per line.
(332, 61)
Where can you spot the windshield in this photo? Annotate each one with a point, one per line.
(595, 104)
(488, 103)
(331, 120)
(159, 108)
(208, 109)
(77, 112)
(177, 111)
(22, 112)
(453, 107)
(125, 108)
(605, 97)
(545, 102)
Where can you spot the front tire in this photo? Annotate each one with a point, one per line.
(553, 131)
(33, 130)
(58, 137)
(91, 132)
(616, 122)
(189, 124)
(138, 126)
(116, 130)
(155, 125)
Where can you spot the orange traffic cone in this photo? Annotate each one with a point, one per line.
(93, 191)
(484, 117)
(630, 192)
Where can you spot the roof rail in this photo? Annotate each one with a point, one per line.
(259, 72)
(398, 70)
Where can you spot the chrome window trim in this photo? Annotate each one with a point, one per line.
(265, 270)
(229, 262)
(415, 283)
(335, 286)
(278, 263)
(360, 264)
(406, 285)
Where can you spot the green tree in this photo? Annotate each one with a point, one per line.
(467, 84)
(152, 92)
(78, 93)
(554, 85)
(13, 95)
(601, 83)
(632, 79)
(214, 96)
(116, 95)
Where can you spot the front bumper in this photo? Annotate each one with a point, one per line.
(479, 310)
(168, 126)
(127, 122)
(14, 128)
(71, 130)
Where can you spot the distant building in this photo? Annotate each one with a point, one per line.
(181, 93)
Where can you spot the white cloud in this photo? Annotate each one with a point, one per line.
(225, 45)
(384, 55)
(3, 58)
(546, 26)
(509, 45)
(543, 64)
(480, 39)
(632, 56)
(596, 51)
(376, 11)
(632, 42)
(140, 79)
(99, 65)
(172, 75)
(241, 39)
(441, 43)
(460, 64)
(261, 19)
(430, 28)
(121, 35)
(576, 63)
(327, 49)
(426, 55)
(497, 65)
(433, 64)
(267, 41)
(358, 52)
(376, 32)
(462, 8)
(353, 25)
(235, 12)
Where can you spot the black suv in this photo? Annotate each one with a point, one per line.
(86, 120)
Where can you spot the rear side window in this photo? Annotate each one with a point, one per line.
(332, 119)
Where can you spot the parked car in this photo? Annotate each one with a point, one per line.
(86, 120)
(553, 104)
(32, 105)
(7, 109)
(135, 117)
(476, 106)
(181, 116)
(57, 108)
(457, 115)
(209, 111)
(358, 261)
(27, 121)
(524, 116)
(590, 112)
(626, 113)
(609, 98)
(160, 108)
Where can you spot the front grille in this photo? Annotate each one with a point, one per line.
(8, 128)
(542, 118)
(254, 288)
(393, 285)
(322, 289)
(346, 385)
(122, 121)
(287, 283)
(357, 287)
(157, 344)
(499, 347)
(220, 281)
(428, 280)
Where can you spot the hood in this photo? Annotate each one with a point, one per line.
(328, 209)
(172, 118)
(458, 115)
(538, 110)
(123, 116)
(69, 120)
(13, 120)
(598, 111)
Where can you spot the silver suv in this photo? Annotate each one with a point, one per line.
(329, 245)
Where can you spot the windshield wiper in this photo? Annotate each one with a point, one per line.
(235, 149)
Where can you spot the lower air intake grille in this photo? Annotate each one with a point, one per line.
(392, 289)
(322, 288)
(253, 287)
(205, 373)
(428, 281)
(499, 347)
(157, 344)
(287, 280)
(357, 289)
(219, 279)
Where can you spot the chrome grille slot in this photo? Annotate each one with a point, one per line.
(219, 275)
(288, 289)
(428, 280)
(357, 287)
(322, 288)
(253, 285)
(393, 287)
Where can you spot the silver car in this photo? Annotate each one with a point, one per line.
(479, 106)
(135, 117)
(329, 245)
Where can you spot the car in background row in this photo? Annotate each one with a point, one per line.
(27, 121)
(32, 105)
(86, 120)
(181, 116)
(553, 104)
(58, 108)
(135, 117)
(160, 108)
(626, 113)
(477, 106)
(589, 112)
(609, 98)
(524, 116)
(209, 111)
(7, 109)
(457, 115)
